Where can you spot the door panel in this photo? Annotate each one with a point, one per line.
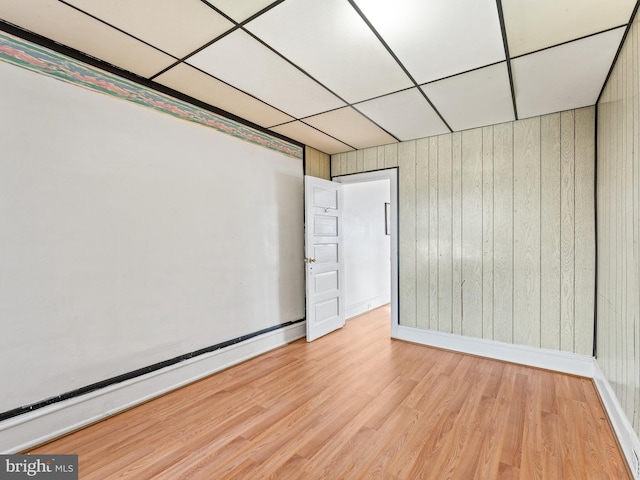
(323, 250)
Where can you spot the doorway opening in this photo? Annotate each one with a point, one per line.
(371, 250)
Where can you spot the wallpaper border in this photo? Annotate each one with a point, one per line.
(28, 55)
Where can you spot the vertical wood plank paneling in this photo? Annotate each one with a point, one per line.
(617, 285)
(370, 159)
(526, 220)
(391, 155)
(381, 154)
(351, 162)
(472, 233)
(316, 163)
(325, 171)
(487, 233)
(503, 232)
(618, 205)
(584, 230)
(445, 233)
(407, 235)
(343, 164)
(456, 231)
(550, 233)
(434, 240)
(488, 219)
(635, 386)
(422, 233)
(359, 161)
(310, 162)
(336, 164)
(627, 230)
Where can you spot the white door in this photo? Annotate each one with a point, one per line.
(323, 252)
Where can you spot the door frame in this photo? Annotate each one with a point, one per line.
(392, 175)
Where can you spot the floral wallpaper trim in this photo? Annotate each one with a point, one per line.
(42, 60)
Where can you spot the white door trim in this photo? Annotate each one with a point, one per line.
(392, 175)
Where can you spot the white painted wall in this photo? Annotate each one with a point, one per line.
(128, 237)
(367, 248)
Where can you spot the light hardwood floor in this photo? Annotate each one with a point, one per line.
(356, 404)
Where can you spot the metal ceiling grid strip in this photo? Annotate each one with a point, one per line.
(508, 58)
(329, 135)
(219, 37)
(571, 41)
(395, 57)
(216, 118)
(462, 73)
(197, 50)
(615, 59)
(234, 87)
(346, 103)
(115, 28)
(302, 70)
(356, 109)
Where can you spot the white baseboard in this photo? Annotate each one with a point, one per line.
(563, 362)
(359, 308)
(629, 441)
(27, 430)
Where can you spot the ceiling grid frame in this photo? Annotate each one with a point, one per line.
(242, 18)
(395, 57)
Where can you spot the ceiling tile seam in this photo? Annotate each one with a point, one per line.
(353, 107)
(235, 27)
(260, 13)
(375, 123)
(462, 73)
(505, 42)
(325, 133)
(237, 89)
(116, 28)
(395, 57)
(199, 49)
(43, 41)
(127, 75)
(219, 12)
(567, 42)
(382, 96)
(615, 58)
(296, 66)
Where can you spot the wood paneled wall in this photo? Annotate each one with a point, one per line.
(497, 231)
(618, 194)
(316, 163)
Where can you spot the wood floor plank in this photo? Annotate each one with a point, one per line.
(356, 404)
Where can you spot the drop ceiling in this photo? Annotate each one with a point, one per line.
(339, 75)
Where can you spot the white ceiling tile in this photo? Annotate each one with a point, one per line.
(437, 38)
(350, 127)
(244, 62)
(178, 28)
(201, 86)
(564, 77)
(240, 11)
(473, 99)
(330, 41)
(539, 24)
(407, 115)
(67, 26)
(310, 136)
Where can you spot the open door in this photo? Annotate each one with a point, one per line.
(323, 257)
